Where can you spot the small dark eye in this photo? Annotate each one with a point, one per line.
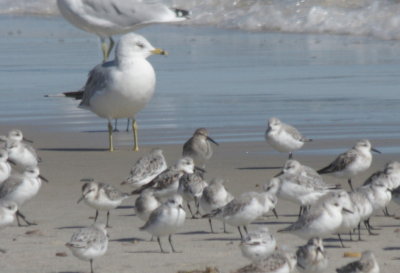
(139, 44)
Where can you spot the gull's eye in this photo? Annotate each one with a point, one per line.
(139, 44)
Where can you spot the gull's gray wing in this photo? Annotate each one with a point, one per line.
(96, 82)
(126, 16)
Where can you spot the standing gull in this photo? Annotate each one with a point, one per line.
(102, 196)
(122, 87)
(146, 169)
(89, 243)
(199, 147)
(165, 220)
(284, 137)
(111, 17)
(348, 164)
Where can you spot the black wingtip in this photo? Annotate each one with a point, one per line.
(182, 13)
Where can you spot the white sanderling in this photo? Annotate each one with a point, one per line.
(8, 209)
(146, 169)
(301, 184)
(244, 209)
(20, 188)
(284, 137)
(107, 18)
(312, 257)
(277, 262)
(122, 87)
(214, 196)
(166, 220)
(379, 195)
(5, 167)
(258, 244)
(145, 204)
(367, 264)
(102, 197)
(166, 183)
(349, 220)
(362, 206)
(191, 188)
(322, 219)
(199, 147)
(389, 176)
(348, 164)
(89, 243)
(22, 154)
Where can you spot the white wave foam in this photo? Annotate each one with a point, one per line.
(378, 18)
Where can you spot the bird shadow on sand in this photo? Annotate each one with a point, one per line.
(125, 207)
(259, 168)
(332, 243)
(74, 149)
(128, 240)
(223, 239)
(71, 227)
(391, 248)
(194, 232)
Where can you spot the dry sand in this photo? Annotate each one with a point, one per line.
(69, 157)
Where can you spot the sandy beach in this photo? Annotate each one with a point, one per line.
(69, 156)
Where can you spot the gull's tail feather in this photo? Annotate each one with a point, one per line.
(182, 13)
(72, 94)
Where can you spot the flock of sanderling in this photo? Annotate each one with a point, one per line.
(122, 87)
(324, 209)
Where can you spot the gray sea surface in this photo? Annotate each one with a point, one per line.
(230, 81)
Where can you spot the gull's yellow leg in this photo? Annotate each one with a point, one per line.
(104, 49)
(135, 136)
(110, 140)
(110, 47)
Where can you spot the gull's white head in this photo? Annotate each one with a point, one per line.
(133, 45)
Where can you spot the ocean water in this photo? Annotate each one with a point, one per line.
(217, 75)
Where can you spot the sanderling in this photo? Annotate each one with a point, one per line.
(367, 264)
(122, 87)
(214, 196)
(321, 220)
(312, 258)
(145, 204)
(389, 176)
(191, 188)
(89, 243)
(244, 209)
(284, 137)
(165, 220)
(166, 183)
(198, 147)
(20, 188)
(102, 196)
(8, 209)
(362, 205)
(107, 18)
(5, 167)
(22, 154)
(277, 262)
(258, 244)
(301, 184)
(356, 160)
(146, 169)
(349, 220)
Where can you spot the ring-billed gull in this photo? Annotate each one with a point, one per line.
(110, 17)
(356, 160)
(122, 87)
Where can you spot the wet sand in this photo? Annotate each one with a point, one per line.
(70, 156)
